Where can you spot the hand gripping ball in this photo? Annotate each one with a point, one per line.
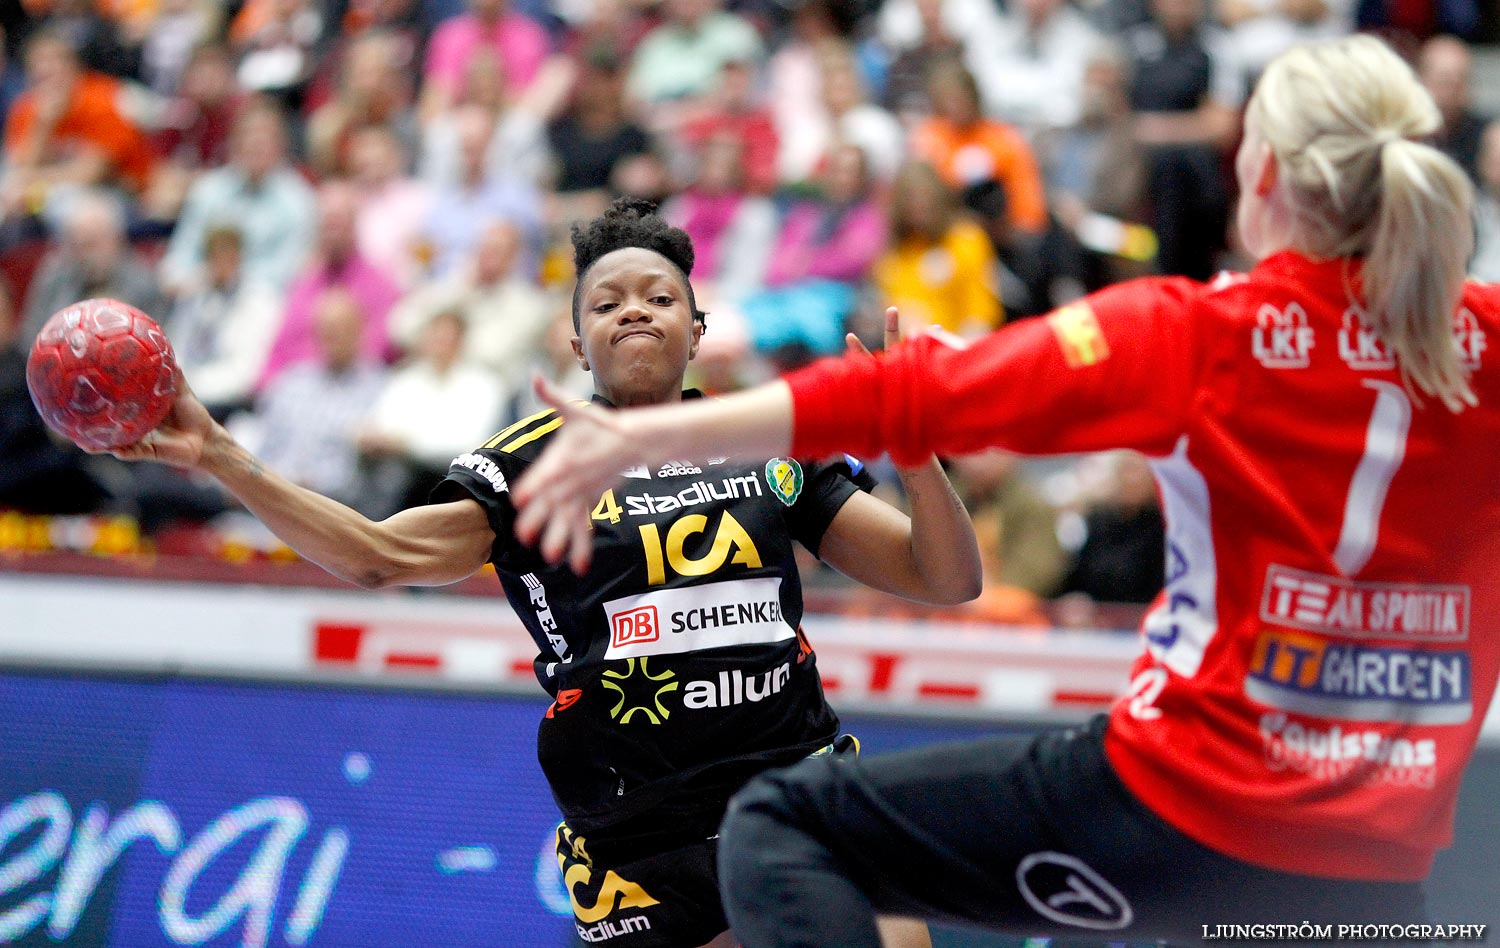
(102, 374)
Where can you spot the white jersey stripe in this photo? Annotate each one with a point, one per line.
(1178, 631)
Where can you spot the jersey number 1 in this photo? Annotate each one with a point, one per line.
(1385, 446)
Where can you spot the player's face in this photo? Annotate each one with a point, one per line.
(636, 332)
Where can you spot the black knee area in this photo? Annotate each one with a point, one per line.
(749, 828)
(767, 820)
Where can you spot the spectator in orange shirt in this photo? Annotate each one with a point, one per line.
(971, 151)
(992, 167)
(67, 129)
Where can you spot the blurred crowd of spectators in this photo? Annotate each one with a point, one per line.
(351, 215)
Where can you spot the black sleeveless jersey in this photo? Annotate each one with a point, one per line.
(676, 664)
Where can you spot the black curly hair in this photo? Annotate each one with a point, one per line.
(631, 222)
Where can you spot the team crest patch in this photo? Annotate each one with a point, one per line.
(785, 477)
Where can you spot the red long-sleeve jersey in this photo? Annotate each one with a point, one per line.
(1316, 671)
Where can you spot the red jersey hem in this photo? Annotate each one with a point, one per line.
(1218, 824)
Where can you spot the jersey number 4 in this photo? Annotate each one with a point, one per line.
(607, 508)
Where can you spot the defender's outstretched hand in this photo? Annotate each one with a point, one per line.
(585, 457)
(594, 447)
(892, 334)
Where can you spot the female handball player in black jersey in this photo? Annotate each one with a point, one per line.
(677, 664)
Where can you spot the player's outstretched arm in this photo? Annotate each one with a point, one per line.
(423, 546)
(1118, 369)
(931, 556)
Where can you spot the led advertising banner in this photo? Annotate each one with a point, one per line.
(177, 812)
(139, 812)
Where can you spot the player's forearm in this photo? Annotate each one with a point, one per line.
(865, 406)
(944, 551)
(322, 530)
(756, 422)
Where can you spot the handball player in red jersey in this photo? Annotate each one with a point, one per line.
(1325, 432)
(677, 663)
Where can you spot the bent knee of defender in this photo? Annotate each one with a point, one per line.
(751, 825)
(776, 811)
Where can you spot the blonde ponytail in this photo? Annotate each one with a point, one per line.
(1341, 118)
(1415, 265)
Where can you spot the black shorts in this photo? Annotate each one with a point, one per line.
(664, 898)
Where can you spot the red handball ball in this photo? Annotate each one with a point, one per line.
(102, 374)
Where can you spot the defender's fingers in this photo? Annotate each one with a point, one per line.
(532, 513)
(556, 535)
(582, 542)
(544, 473)
(552, 395)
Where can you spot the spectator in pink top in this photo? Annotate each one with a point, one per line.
(731, 229)
(835, 236)
(336, 265)
(393, 208)
(518, 42)
(822, 253)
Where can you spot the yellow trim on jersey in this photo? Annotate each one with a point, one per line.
(495, 441)
(532, 435)
(1078, 334)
